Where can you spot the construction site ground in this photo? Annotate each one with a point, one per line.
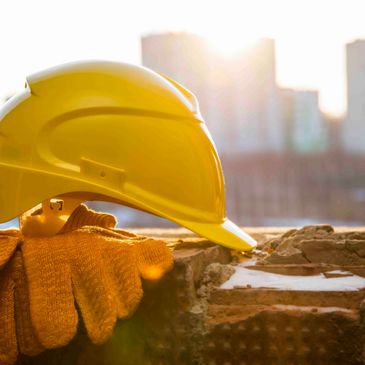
(297, 299)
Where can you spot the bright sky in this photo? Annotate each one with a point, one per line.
(310, 35)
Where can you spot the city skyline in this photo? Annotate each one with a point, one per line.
(310, 36)
(237, 94)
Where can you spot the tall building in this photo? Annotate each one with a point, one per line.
(305, 129)
(181, 56)
(238, 95)
(250, 99)
(353, 131)
(309, 130)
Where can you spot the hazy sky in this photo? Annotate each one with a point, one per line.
(310, 35)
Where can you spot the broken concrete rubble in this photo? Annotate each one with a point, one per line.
(189, 318)
(316, 244)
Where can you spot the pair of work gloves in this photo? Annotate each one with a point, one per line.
(89, 262)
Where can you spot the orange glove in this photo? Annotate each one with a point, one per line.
(14, 302)
(99, 268)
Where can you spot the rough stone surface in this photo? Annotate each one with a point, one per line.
(286, 337)
(316, 244)
(188, 319)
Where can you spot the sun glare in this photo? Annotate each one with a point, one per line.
(229, 45)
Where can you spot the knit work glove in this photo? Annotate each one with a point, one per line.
(42, 277)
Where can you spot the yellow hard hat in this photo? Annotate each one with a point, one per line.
(113, 132)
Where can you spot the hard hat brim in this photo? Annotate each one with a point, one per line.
(226, 234)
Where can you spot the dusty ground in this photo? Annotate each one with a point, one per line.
(298, 299)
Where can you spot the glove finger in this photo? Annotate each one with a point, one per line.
(27, 340)
(52, 308)
(8, 345)
(8, 244)
(92, 285)
(153, 258)
(115, 233)
(83, 216)
(127, 234)
(125, 276)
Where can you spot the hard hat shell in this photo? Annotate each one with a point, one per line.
(116, 132)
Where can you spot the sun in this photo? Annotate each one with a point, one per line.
(230, 44)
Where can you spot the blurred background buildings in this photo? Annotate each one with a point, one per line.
(238, 95)
(285, 163)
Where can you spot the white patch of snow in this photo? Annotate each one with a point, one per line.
(244, 277)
